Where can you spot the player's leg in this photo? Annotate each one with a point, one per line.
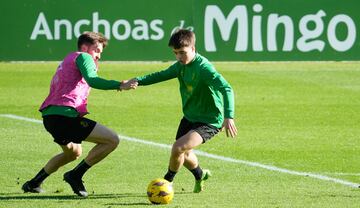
(106, 141)
(201, 175)
(185, 143)
(61, 128)
(71, 152)
(191, 162)
(184, 128)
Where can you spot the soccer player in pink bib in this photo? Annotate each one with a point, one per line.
(63, 114)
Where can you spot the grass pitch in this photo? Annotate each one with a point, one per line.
(299, 116)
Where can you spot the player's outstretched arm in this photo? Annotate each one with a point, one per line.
(230, 128)
(128, 84)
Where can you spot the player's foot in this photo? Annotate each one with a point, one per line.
(199, 184)
(28, 187)
(76, 184)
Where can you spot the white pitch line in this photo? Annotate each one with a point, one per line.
(20, 118)
(342, 174)
(218, 157)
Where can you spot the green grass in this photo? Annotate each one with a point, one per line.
(301, 116)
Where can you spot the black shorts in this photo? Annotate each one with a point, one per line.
(206, 131)
(68, 129)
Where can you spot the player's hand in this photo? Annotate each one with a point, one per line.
(230, 128)
(128, 84)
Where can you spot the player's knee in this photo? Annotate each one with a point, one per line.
(114, 141)
(73, 155)
(178, 149)
(73, 152)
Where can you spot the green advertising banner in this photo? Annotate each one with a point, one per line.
(279, 30)
(228, 30)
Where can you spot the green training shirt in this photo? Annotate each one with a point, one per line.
(206, 96)
(87, 68)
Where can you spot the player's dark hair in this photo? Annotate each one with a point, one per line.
(182, 38)
(91, 38)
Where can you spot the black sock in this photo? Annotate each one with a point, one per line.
(197, 172)
(39, 178)
(80, 169)
(169, 176)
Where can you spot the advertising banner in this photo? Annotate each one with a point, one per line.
(139, 30)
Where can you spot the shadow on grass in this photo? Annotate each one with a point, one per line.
(17, 196)
(129, 204)
(145, 204)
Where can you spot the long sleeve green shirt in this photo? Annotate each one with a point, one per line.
(87, 68)
(206, 96)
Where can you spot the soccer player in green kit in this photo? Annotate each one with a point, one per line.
(207, 102)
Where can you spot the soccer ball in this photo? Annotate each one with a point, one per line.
(160, 191)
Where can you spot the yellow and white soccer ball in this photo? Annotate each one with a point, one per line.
(160, 191)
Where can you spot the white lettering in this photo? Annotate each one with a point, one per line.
(41, 28)
(121, 29)
(127, 30)
(256, 29)
(97, 23)
(351, 30)
(213, 13)
(306, 42)
(182, 26)
(141, 30)
(77, 26)
(155, 26)
(68, 29)
(273, 22)
(278, 30)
